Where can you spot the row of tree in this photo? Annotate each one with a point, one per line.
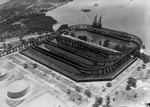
(142, 56)
(131, 83)
(29, 24)
(82, 37)
(122, 48)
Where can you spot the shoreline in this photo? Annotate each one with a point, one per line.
(3, 1)
(54, 7)
(112, 18)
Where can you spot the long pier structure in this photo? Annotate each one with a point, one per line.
(102, 64)
(109, 63)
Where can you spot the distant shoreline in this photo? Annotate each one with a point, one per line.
(54, 7)
(114, 17)
(3, 1)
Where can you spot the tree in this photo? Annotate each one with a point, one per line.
(53, 74)
(116, 93)
(31, 39)
(143, 46)
(145, 58)
(106, 43)
(124, 48)
(4, 45)
(23, 41)
(78, 89)
(57, 78)
(109, 84)
(94, 41)
(85, 38)
(99, 100)
(107, 100)
(117, 47)
(63, 27)
(1, 39)
(72, 34)
(88, 93)
(82, 37)
(139, 68)
(104, 89)
(132, 82)
(147, 104)
(95, 105)
(25, 65)
(69, 91)
(80, 98)
(143, 66)
(34, 65)
(135, 95)
(9, 46)
(130, 48)
(20, 37)
(100, 42)
(137, 53)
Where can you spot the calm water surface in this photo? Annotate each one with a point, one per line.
(3, 1)
(122, 15)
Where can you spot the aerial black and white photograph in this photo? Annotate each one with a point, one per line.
(74, 53)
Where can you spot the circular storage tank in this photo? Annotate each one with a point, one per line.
(18, 89)
(3, 74)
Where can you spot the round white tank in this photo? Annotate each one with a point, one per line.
(18, 89)
(3, 74)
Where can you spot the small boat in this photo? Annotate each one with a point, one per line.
(96, 4)
(85, 10)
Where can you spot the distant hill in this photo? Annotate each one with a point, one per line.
(28, 24)
(15, 7)
(21, 17)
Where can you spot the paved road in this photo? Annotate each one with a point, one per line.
(138, 63)
(25, 37)
(17, 38)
